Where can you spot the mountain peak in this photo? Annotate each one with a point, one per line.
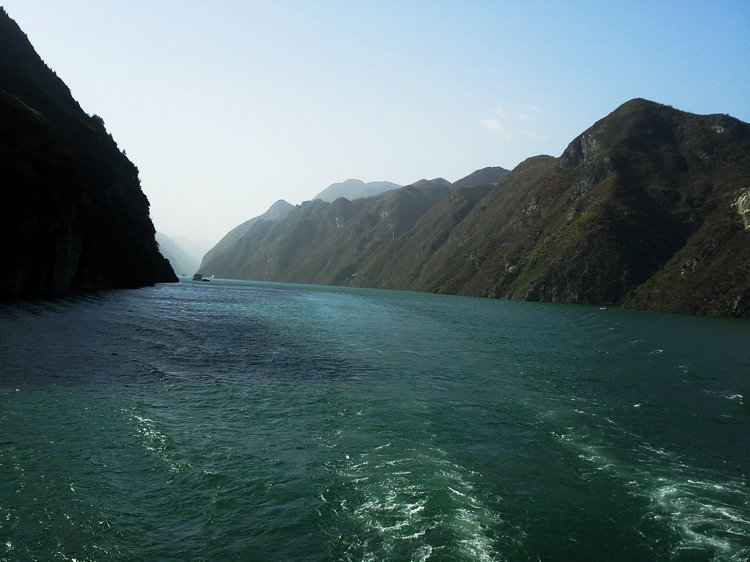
(354, 189)
(634, 118)
(437, 182)
(277, 211)
(490, 174)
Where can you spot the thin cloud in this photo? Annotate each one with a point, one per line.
(500, 126)
(492, 124)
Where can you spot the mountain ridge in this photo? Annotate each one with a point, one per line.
(316, 231)
(596, 223)
(355, 189)
(184, 255)
(648, 208)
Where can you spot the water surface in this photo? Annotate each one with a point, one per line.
(256, 421)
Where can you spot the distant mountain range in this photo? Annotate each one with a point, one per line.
(183, 254)
(318, 241)
(355, 189)
(73, 212)
(649, 208)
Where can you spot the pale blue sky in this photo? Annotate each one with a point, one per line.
(228, 106)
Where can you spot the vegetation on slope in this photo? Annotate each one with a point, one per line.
(648, 208)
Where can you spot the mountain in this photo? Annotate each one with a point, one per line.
(321, 242)
(646, 209)
(325, 242)
(73, 210)
(184, 255)
(196, 249)
(492, 174)
(223, 255)
(649, 209)
(354, 189)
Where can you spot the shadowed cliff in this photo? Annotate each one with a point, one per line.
(73, 212)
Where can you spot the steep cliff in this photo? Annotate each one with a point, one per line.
(73, 212)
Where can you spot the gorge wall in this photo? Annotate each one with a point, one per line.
(73, 213)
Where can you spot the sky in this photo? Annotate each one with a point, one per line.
(228, 106)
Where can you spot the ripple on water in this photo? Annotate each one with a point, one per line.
(208, 422)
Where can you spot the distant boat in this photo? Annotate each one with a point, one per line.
(199, 277)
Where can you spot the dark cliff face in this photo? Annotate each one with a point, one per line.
(73, 212)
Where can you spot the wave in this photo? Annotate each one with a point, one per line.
(707, 514)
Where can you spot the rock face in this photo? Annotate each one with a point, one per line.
(648, 209)
(73, 212)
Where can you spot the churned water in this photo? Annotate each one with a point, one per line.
(241, 421)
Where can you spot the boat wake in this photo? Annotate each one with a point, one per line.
(405, 504)
(707, 514)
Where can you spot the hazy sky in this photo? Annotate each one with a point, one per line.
(228, 106)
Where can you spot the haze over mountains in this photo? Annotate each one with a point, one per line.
(183, 254)
(73, 212)
(355, 189)
(309, 242)
(649, 208)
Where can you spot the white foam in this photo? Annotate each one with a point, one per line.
(707, 515)
(392, 504)
(422, 553)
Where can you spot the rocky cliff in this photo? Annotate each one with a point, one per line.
(73, 212)
(649, 208)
